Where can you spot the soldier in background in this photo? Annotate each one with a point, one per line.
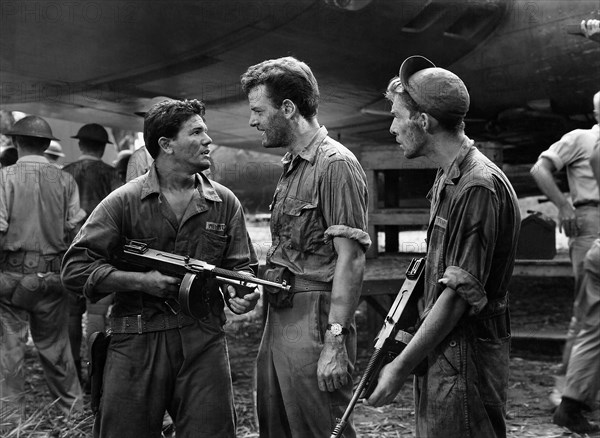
(39, 207)
(95, 179)
(582, 380)
(54, 153)
(578, 215)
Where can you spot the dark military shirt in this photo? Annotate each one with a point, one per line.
(473, 232)
(95, 180)
(212, 229)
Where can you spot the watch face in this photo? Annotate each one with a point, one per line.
(336, 329)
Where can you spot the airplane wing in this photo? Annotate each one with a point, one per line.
(530, 80)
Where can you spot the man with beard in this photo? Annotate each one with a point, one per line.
(175, 362)
(319, 232)
(471, 243)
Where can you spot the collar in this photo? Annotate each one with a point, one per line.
(454, 169)
(33, 159)
(88, 157)
(309, 152)
(205, 188)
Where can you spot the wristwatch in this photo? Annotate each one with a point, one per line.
(337, 329)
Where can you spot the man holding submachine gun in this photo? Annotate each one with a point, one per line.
(163, 355)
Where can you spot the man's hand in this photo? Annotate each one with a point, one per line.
(388, 386)
(332, 369)
(159, 285)
(567, 221)
(243, 304)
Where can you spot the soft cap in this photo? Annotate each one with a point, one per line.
(437, 91)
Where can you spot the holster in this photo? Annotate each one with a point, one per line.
(99, 342)
(278, 298)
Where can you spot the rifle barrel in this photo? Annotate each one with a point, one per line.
(364, 381)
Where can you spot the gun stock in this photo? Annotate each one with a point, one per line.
(396, 332)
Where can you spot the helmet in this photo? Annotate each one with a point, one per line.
(93, 132)
(32, 126)
(54, 149)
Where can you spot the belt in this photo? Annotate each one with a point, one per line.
(29, 262)
(160, 322)
(300, 284)
(590, 203)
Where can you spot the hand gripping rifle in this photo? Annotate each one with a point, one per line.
(192, 298)
(397, 331)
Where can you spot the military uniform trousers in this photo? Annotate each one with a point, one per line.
(31, 293)
(289, 402)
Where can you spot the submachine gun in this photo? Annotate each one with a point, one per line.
(192, 297)
(397, 331)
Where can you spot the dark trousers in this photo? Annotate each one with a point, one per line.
(184, 371)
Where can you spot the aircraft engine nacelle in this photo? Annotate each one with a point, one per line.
(348, 5)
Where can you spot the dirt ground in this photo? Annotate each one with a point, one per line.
(529, 410)
(536, 307)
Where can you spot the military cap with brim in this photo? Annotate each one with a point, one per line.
(93, 132)
(32, 126)
(436, 91)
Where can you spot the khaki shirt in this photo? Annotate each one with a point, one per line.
(39, 206)
(573, 151)
(321, 194)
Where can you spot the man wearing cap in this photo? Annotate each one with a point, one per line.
(95, 179)
(175, 361)
(39, 207)
(471, 244)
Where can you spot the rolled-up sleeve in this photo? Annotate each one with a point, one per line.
(86, 262)
(564, 151)
(344, 200)
(471, 245)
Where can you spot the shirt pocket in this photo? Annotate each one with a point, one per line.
(303, 225)
(212, 247)
(436, 245)
(492, 364)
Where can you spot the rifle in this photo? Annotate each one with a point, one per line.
(192, 297)
(396, 332)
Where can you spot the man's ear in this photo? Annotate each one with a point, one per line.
(427, 122)
(289, 108)
(165, 145)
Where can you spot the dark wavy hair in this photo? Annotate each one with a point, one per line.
(285, 78)
(165, 119)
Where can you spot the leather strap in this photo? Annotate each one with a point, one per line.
(300, 284)
(135, 324)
